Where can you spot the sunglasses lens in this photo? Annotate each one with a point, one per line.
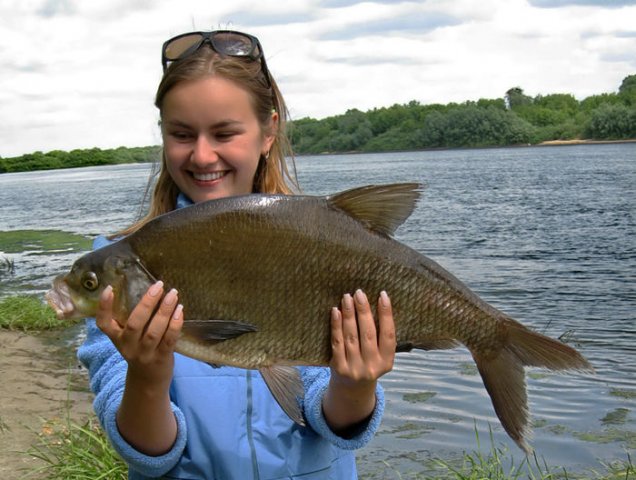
(234, 44)
(182, 45)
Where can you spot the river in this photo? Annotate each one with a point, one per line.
(547, 235)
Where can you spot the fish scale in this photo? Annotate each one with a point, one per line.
(259, 274)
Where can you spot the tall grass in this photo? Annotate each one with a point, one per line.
(70, 451)
(499, 465)
(28, 313)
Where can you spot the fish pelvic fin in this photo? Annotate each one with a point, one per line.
(381, 208)
(504, 376)
(286, 386)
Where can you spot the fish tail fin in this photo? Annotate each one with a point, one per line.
(504, 376)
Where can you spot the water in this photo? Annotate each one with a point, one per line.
(545, 234)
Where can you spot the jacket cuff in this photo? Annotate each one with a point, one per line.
(316, 419)
(146, 465)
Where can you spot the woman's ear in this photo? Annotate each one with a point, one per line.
(270, 133)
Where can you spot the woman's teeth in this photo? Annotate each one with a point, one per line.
(207, 177)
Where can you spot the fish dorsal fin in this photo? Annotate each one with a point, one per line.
(381, 208)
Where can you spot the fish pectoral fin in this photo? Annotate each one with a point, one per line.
(381, 208)
(286, 387)
(434, 344)
(216, 330)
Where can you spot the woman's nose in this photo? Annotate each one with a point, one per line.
(204, 151)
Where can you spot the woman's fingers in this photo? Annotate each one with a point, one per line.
(366, 326)
(360, 350)
(142, 313)
(153, 325)
(386, 327)
(350, 327)
(104, 317)
(157, 327)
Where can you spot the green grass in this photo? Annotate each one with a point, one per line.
(499, 465)
(28, 313)
(70, 451)
(37, 241)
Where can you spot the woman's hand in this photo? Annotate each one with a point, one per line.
(146, 342)
(361, 355)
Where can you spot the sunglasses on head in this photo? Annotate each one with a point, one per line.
(223, 42)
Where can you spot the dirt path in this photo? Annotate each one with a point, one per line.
(39, 377)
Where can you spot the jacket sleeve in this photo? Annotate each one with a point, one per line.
(107, 372)
(316, 381)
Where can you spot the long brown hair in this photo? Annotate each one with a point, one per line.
(272, 174)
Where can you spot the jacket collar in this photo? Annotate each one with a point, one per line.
(183, 201)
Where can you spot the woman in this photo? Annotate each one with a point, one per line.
(223, 128)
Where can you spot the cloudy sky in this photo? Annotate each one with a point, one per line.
(83, 73)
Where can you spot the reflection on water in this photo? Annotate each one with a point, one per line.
(545, 234)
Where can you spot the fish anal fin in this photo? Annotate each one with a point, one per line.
(504, 379)
(286, 386)
(216, 330)
(381, 208)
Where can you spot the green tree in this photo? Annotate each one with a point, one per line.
(612, 122)
(516, 98)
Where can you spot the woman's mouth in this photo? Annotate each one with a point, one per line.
(208, 177)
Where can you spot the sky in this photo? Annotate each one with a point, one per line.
(83, 73)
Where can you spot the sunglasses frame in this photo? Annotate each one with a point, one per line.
(208, 37)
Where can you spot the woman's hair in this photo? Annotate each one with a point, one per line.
(272, 174)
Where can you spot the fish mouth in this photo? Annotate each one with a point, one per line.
(59, 299)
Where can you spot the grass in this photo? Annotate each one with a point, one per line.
(28, 313)
(498, 465)
(70, 451)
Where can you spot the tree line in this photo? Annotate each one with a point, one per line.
(515, 119)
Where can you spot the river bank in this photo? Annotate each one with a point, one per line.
(41, 382)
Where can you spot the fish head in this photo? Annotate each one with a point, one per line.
(77, 293)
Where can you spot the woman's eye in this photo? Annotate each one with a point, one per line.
(225, 135)
(180, 135)
(90, 281)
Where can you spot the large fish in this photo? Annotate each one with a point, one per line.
(259, 274)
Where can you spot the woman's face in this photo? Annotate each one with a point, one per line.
(212, 139)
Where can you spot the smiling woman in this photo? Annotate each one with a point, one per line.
(223, 128)
(213, 143)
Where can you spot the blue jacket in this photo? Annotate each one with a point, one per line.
(228, 424)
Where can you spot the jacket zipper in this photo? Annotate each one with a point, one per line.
(250, 433)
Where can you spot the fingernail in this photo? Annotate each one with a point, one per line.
(360, 296)
(107, 292)
(155, 289)
(171, 297)
(177, 312)
(347, 301)
(384, 299)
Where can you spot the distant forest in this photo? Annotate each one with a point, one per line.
(515, 119)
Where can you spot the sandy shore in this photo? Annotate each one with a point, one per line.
(39, 378)
(584, 142)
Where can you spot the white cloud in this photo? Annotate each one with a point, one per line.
(80, 74)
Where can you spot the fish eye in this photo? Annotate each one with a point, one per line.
(90, 281)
